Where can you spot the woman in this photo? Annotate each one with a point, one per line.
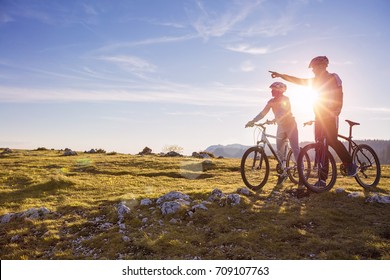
(287, 126)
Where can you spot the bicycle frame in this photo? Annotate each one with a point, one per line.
(352, 144)
(263, 142)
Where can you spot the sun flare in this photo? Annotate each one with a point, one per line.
(302, 101)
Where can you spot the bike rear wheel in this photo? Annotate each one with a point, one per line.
(255, 168)
(369, 167)
(317, 175)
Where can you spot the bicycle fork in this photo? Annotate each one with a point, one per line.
(258, 156)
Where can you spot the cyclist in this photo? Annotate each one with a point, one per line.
(287, 126)
(327, 108)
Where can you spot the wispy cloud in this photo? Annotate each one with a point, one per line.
(209, 23)
(131, 63)
(247, 48)
(168, 93)
(151, 41)
(272, 27)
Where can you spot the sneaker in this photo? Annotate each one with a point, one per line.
(352, 170)
(320, 183)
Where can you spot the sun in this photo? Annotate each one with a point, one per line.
(302, 100)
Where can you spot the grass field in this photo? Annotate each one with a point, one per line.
(83, 192)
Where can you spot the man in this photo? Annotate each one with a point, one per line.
(328, 106)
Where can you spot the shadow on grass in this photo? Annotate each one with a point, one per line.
(50, 187)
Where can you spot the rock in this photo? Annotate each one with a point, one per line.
(35, 213)
(7, 217)
(379, 199)
(122, 209)
(15, 238)
(32, 213)
(105, 226)
(196, 155)
(172, 196)
(199, 206)
(170, 207)
(146, 151)
(244, 191)
(174, 221)
(354, 194)
(6, 151)
(173, 154)
(233, 199)
(146, 202)
(340, 190)
(216, 194)
(69, 152)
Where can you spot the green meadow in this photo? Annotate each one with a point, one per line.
(82, 194)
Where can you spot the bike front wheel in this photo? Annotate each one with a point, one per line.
(255, 168)
(317, 172)
(369, 167)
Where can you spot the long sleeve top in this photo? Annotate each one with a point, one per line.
(281, 108)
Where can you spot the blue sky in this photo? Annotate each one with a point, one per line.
(122, 75)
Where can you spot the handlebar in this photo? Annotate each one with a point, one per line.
(267, 122)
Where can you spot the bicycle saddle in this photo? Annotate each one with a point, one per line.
(351, 123)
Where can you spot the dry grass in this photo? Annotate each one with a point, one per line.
(83, 191)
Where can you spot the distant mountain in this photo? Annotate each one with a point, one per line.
(230, 151)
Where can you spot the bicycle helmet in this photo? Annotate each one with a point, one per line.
(279, 86)
(319, 60)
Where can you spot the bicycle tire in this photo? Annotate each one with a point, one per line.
(316, 180)
(255, 168)
(293, 172)
(369, 166)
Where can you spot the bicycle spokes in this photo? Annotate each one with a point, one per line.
(254, 168)
(369, 167)
(257, 161)
(317, 169)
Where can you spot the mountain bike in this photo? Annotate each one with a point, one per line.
(316, 162)
(255, 166)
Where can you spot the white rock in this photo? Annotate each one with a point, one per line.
(146, 202)
(379, 199)
(172, 196)
(7, 217)
(233, 199)
(244, 191)
(123, 209)
(170, 207)
(340, 190)
(199, 206)
(354, 194)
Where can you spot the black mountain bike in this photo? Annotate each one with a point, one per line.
(255, 166)
(317, 166)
